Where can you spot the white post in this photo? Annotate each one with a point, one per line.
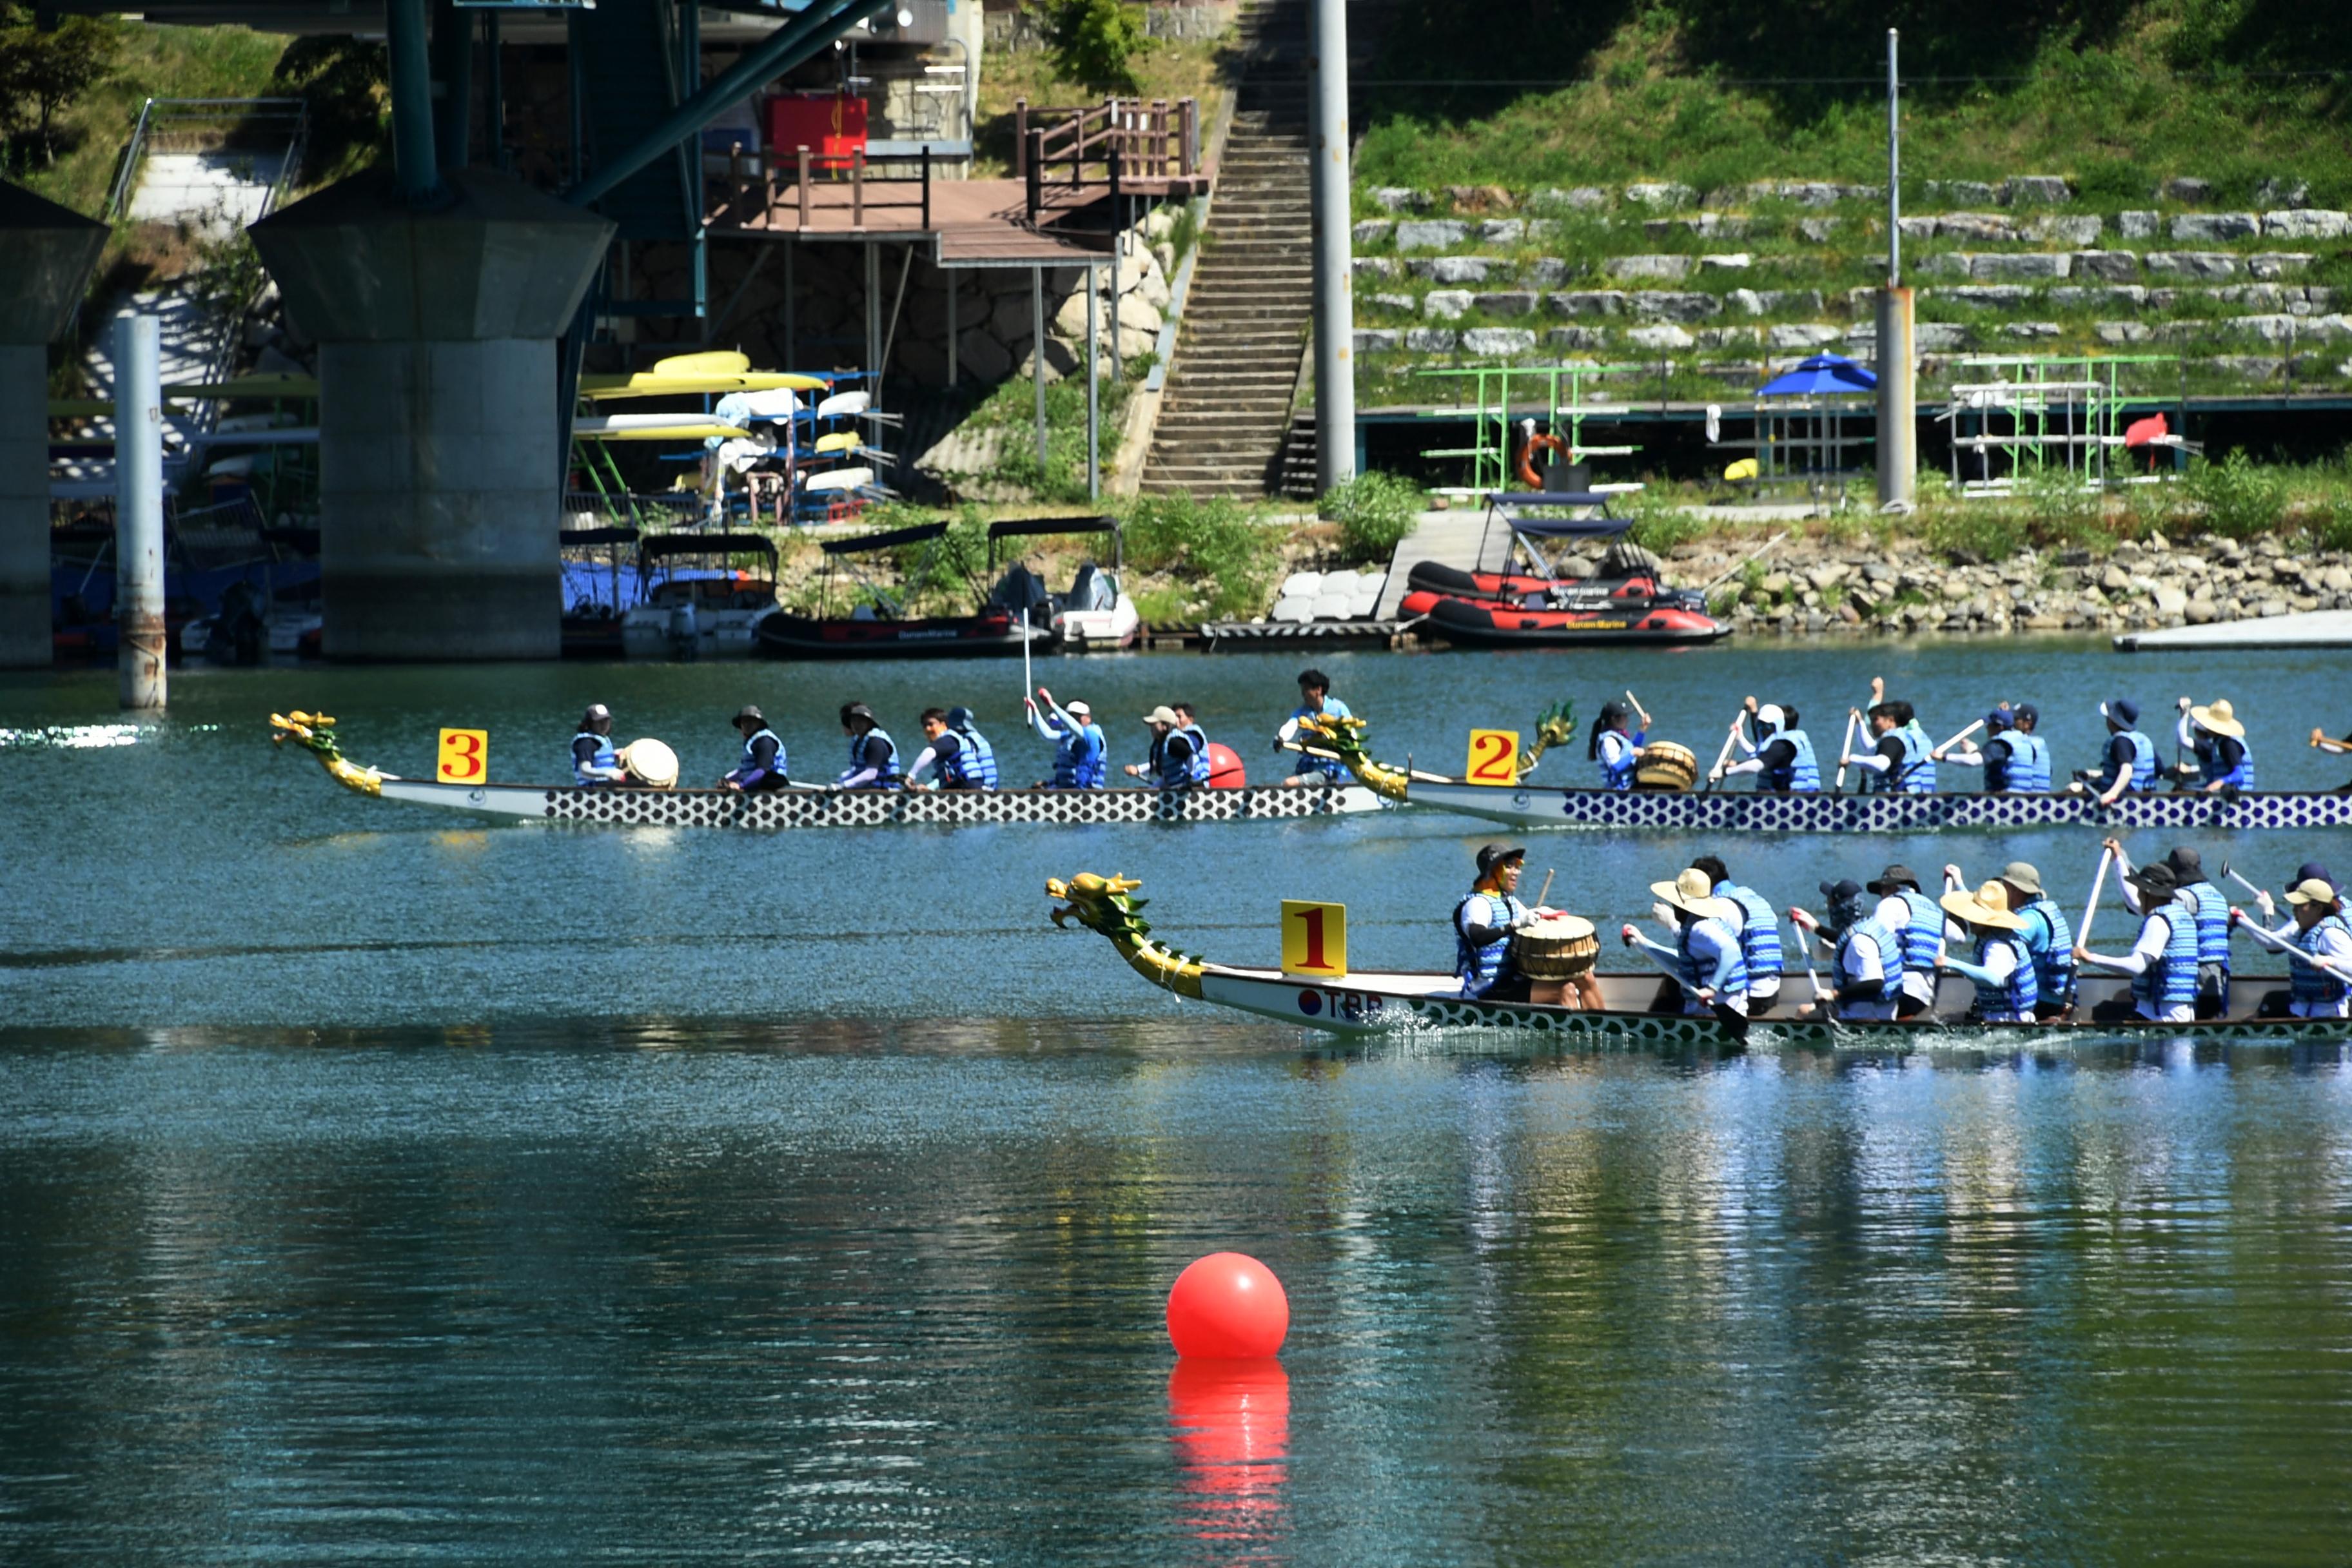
(1094, 405)
(1898, 426)
(139, 512)
(1335, 313)
(1037, 354)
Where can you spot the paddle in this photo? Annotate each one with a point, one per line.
(2091, 907)
(1734, 1020)
(2280, 944)
(1812, 928)
(1845, 749)
(2233, 876)
(2319, 739)
(1938, 753)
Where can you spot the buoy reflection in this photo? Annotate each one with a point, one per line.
(1230, 1421)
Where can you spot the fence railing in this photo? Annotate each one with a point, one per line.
(764, 181)
(1156, 139)
(281, 123)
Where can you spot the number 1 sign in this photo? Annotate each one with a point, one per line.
(1313, 939)
(1494, 758)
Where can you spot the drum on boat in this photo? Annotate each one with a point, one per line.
(1560, 948)
(1667, 766)
(650, 764)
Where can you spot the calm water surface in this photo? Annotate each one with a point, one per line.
(376, 1184)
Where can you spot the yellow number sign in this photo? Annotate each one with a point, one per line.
(1313, 939)
(1494, 757)
(464, 757)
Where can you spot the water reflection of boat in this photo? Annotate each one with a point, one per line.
(1378, 1002)
(776, 810)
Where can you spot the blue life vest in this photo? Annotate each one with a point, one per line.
(2015, 997)
(1200, 742)
(2208, 763)
(2029, 764)
(1803, 772)
(1168, 772)
(1479, 967)
(1620, 775)
(749, 763)
(861, 747)
(1332, 708)
(1890, 962)
(1078, 758)
(1913, 774)
(1924, 935)
(1733, 984)
(2050, 938)
(2212, 923)
(2143, 752)
(607, 756)
(2171, 981)
(2310, 985)
(1760, 931)
(973, 766)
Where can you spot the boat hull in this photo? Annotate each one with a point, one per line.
(1746, 811)
(963, 636)
(1493, 625)
(777, 810)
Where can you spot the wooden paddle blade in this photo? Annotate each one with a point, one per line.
(1734, 1020)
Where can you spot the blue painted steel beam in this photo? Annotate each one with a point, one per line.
(412, 102)
(787, 47)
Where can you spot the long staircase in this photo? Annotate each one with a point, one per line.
(1224, 426)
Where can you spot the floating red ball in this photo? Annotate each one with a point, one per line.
(1227, 1305)
(1226, 770)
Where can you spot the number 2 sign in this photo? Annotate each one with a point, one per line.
(1313, 939)
(1494, 757)
(464, 757)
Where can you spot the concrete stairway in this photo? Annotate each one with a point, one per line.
(1222, 428)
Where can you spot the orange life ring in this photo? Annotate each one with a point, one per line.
(1528, 475)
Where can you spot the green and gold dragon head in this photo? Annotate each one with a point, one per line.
(1107, 905)
(1344, 739)
(316, 732)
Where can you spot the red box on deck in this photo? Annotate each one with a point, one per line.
(832, 126)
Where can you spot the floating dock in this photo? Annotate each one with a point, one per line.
(2311, 628)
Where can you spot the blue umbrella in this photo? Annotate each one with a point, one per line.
(1822, 375)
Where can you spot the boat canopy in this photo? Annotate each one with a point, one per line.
(920, 534)
(571, 538)
(1516, 511)
(1023, 526)
(688, 543)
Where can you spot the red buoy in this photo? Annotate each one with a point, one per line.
(1227, 1306)
(1226, 770)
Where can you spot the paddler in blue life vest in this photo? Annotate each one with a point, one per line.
(2163, 960)
(2128, 764)
(957, 753)
(1314, 701)
(1079, 749)
(873, 755)
(1188, 725)
(1759, 926)
(1865, 981)
(2210, 910)
(1704, 964)
(2007, 987)
(763, 766)
(1917, 922)
(2318, 941)
(594, 759)
(1174, 763)
(1781, 754)
(2216, 738)
(1484, 923)
(1899, 761)
(1615, 747)
(2015, 759)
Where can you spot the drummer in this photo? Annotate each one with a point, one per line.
(1616, 746)
(1705, 959)
(763, 766)
(1759, 933)
(1314, 701)
(2217, 740)
(594, 759)
(1484, 923)
(873, 755)
(1781, 755)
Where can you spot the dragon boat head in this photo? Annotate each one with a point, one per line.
(315, 733)
(1107, 905)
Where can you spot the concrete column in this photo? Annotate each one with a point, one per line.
(141, 655)
(44, 265)
(1899, 419)
(439, 435)
(1334, 247)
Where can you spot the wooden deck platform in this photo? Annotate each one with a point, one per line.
(969, 223)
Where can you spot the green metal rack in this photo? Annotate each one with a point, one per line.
(2028, 416)
(1495, 414)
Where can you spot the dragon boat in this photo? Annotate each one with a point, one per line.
(1523, 805)
(775, 810)
(1387, 1002)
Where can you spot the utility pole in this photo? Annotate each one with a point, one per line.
(139, 512)
(1899, 428)
(1335, 310)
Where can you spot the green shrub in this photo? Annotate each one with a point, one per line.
(1659, 523)
(2060, 510)
(1374, 511)
(1094, 43)
(2240, 499)
(1212, 545)
(1975, 531)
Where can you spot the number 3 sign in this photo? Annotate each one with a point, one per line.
(1313, 939)
(1494, 758)
(465, 756)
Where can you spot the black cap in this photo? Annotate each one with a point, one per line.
(2187, 866)
(1842, 892)
(2308, 870)
(1895, 877)
(2025, 713)
(1494, 855)
(2157, 879)
(748, 711)
(856, 710)
(958, 718)
(597, 710)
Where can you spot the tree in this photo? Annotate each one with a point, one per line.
(51, 69)
(1094, 44)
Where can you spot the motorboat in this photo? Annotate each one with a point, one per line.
(1095, 614)
(877, 626)
(703, 594)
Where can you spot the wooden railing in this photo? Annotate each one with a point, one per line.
(761, 182)
(1155, 140)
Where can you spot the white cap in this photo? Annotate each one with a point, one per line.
(1770, 714)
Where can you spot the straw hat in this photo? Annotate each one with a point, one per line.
(2219, 717)
(1988, 905)
(1692, 892)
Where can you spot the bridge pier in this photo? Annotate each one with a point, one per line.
(439, 438)
(43, 267)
